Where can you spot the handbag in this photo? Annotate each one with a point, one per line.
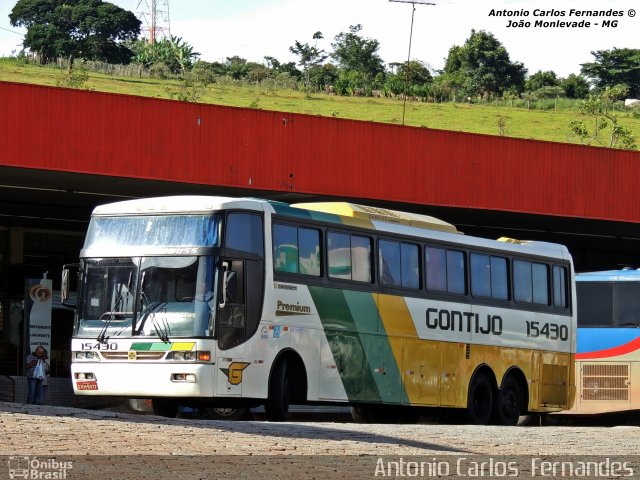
(39, 372)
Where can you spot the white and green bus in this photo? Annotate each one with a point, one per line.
(238, 302)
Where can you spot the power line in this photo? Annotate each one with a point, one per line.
(11, 31)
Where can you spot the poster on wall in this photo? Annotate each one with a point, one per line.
(38, 301)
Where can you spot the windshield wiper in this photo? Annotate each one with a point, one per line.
(117, 309)
(150, 312)
(161, 330)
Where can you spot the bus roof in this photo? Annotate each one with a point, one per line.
(624, 275)
(178, 204)
(340, 213)
(365, 213)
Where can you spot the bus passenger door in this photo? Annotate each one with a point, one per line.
(232, 309)
(230, 327)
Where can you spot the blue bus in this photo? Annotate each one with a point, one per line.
(608, 349)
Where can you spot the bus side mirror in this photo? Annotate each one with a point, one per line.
(65, 288)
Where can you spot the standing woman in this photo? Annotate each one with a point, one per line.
(34, 381)
(42, 392)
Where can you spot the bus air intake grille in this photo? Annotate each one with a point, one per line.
(554, 385)
(605, 382)
(467, 351)
(137, 356)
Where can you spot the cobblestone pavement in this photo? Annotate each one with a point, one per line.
(103, 444)
(42, 430)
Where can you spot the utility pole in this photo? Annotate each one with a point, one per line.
(406, 79)
(154, 15)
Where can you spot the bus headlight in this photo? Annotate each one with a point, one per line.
(182, 356)
(86, 356)
(183, 377)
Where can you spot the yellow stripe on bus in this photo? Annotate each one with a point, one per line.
(188, 346)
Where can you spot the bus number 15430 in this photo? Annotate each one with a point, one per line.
(552, 331)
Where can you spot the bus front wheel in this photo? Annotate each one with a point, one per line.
(277, 405)
(480, 400)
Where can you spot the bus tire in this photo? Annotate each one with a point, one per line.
(506, 408)
(232, 414)
(277, 405)
(165, 407)
(479, 400)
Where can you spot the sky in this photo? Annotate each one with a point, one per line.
(253, 29)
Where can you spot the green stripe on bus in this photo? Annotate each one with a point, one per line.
(150, 346)
(346, 342)
(380, 358)
(284, 209)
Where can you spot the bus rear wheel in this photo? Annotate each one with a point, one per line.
(507, 405)
(277, 405)
(165, 407)
(479, 400)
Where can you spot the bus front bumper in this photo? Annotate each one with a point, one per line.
(143, 380)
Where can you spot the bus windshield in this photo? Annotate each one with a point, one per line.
(106, 233)
(146, 296)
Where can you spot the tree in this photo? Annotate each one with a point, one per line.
(540, 80)
(414, 73)
(173, 52)
(599, 107)
(89, 29)
(575, 86)
(483, 65)
(613, 67)
(237, 67)
(356, 53)
(310, 56)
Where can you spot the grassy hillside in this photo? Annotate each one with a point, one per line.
(517, 122)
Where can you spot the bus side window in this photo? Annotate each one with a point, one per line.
(560, 287)
(531, 282)
(349, 257)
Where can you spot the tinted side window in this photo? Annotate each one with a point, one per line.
(456, 273)
(522, 289)
(595, 304)
(309, 250)
(626, 304)
(480, 275)
(296, 250)
(285, 249)
(410, 265)
(499, 278)
(399, 265)
(361, 258)
(244, 233)
(446, 270)
(436, 265)
(540, 282)
(349, 257)
(560, 287)
(531, 282)
(390, 265)
(339, 255)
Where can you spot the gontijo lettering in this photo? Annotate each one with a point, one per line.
(456, 321)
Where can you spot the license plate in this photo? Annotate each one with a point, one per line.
(87, 385)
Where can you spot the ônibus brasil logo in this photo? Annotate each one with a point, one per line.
(36, 468)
